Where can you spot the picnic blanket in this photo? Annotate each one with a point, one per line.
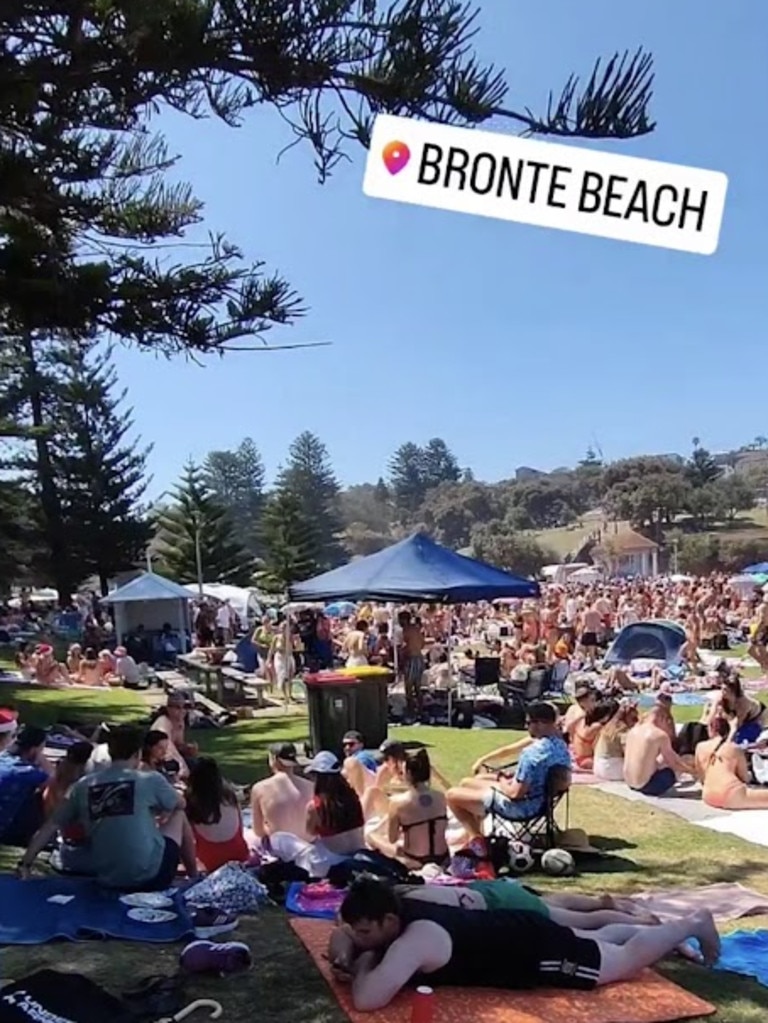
(745, 953)
(44, 909)
(724, 901)
(648, 999)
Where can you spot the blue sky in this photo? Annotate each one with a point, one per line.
(516, 344)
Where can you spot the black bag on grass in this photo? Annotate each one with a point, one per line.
(48, 996)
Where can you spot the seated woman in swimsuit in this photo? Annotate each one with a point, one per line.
(334, 821)
(587, 733)
(214, 813)
(417, 819)
(609, 749)
(744, 713)
(90, 672)
(722, 766)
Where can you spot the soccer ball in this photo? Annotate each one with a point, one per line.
(520, 857)
(558, 863)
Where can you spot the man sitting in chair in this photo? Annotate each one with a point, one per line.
(521, 797)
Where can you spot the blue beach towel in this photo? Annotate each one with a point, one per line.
(80, 910)
(745, 953)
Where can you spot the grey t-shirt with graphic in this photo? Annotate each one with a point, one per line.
(118, 807)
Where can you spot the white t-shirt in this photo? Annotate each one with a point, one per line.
(224, 617)
(571, 610)
(128, 670)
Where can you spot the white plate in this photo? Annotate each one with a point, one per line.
(147, 900)
(151, 916)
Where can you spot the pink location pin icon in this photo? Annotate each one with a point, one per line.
(395, 156)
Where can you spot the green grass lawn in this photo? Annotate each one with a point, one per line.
(647, 849)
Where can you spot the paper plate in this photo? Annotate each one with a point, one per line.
(144, 915)
(147, 900)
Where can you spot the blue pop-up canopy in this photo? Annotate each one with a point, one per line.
(759, 569)
(416, 569)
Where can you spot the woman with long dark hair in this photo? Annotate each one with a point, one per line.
(214, 813)
(334, 821)
(417, 819)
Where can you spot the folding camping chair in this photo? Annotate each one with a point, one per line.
(518, 694)
(539, 830)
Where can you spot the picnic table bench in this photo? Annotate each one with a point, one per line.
(246, 686)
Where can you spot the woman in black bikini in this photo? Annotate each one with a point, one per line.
(417, 819)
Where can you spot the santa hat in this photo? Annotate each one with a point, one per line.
(8, 721)
(44, 648)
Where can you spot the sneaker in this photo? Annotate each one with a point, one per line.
(207, 957)
(208, 923)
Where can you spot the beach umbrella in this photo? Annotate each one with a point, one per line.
(341, 609)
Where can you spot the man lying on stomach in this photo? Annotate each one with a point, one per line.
(387, 942)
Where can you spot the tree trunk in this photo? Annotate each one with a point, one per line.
(49, 497)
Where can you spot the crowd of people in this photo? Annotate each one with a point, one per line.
(135, 806)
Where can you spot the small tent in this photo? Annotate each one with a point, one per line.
(651, 640)
(152, 601)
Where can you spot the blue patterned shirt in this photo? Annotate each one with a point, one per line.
(18, 780)
(534, 765)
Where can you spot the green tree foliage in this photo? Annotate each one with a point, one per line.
(29, 398)
(195, 523)
(87, 185)
(20, 551)
(101, 474)
(308, 475)
(289, 538)
(415, 470)
(368, 515)
(500, 545)
(701, 468)
(236, 479)
(452, 511)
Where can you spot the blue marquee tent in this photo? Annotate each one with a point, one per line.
(759, 569)
(416, 569)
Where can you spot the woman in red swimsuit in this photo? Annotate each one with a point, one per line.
(214, 813)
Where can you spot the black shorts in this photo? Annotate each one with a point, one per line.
(571, 963)
(166, 875)
(589, 639)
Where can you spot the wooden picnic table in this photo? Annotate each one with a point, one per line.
(210, 675)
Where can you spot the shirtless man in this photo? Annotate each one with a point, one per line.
(413, 658)
(440, 945)
(591, 627)
(651, 766)
(280, 803)
(758, 648)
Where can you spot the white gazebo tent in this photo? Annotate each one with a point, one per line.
(150, 600)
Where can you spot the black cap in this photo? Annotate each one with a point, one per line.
(354, 737)
(286, 753)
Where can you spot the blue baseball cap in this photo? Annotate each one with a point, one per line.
(324, 762)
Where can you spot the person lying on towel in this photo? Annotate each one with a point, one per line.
(386, 943)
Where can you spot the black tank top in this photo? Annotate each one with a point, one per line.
(491, 948)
